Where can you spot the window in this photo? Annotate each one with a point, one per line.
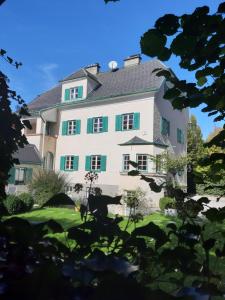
(69, 163)
(33, 124)
(20, 176)
(180, 136)
(49, 129)
(69, 189)
(96, 162)
(97, 124)
(142, 161)
(128, 121)
(165, 127)
(71, 127)
(74, 93)
(126, 165)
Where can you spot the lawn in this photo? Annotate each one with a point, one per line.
(68, 217)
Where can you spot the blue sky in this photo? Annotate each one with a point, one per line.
(53, 38)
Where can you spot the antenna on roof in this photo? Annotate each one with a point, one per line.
(113, 65)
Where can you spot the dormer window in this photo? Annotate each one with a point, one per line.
(74, 93)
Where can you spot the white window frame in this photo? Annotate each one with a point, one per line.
(96, 162)
(69, 162)
(97, 124)
(20, 176)
(69, 189)
(126, 165)
(142, 161)
(74, 93)
(72, 127)
(128, 121)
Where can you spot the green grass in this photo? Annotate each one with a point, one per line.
(64, 216)
(68, 217)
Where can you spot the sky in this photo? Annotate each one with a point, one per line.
(54, 38)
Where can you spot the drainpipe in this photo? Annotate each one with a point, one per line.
(43, 138)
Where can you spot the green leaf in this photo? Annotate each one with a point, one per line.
(27, 124)
(153, 42)
(183, 44)
(58, 200)
(133, 163)
(221, 8)
(208, 244)
(168, 24)
(133, 173)
(153, 231)
(201, 81)
(172, 93)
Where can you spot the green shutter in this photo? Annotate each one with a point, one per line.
(103, 163)
(165, 127)
(64, 127)
(118, 122)
(28, 172)
(67, 95)
(88, 163)
(90, 125)
(76, 163)
(136, 120)
(62, 163)
(105, 124)
(182, 137)
(12, 172)
(78, 122)
(80, 91)
(168, 127)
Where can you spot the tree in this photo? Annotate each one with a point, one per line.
(11, 126)
(198, 40)
(195, 148)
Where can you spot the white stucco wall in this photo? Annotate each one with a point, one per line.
(107, 143)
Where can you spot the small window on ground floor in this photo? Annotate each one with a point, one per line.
(142, 161)
(126, 165)
(20, 176)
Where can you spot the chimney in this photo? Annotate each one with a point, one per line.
(93, 69)
(132, 60)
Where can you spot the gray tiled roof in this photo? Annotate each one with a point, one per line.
(28, 155)
(139, 141)
(124, 81)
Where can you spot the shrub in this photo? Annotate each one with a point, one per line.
(166, 202)
(45, 184)
(27, 200)
(14, 205)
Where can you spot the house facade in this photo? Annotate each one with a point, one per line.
(99, 121)
(29, 163)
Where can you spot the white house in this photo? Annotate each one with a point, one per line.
(99, 121)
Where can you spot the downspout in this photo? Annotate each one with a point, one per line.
(43, 139)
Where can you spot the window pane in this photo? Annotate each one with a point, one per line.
(126, 158)
(142, 161)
